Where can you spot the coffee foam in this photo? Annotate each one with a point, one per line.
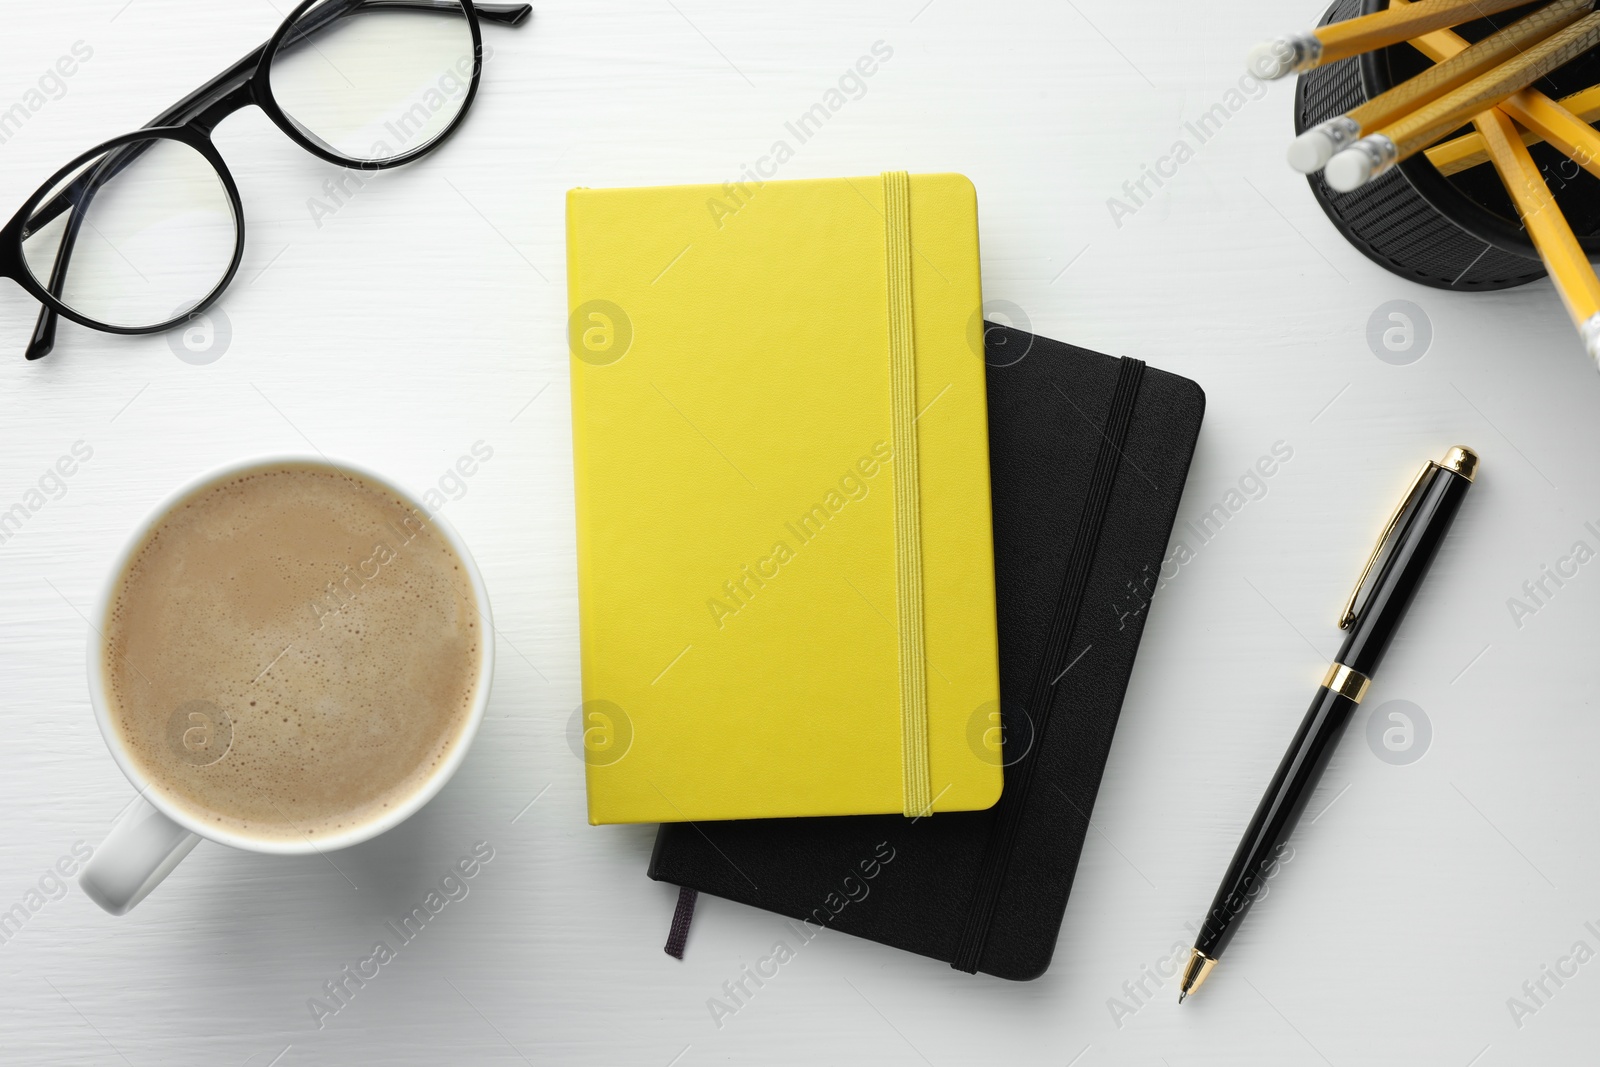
(292, 652)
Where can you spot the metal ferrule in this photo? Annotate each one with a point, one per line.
(1379, 150)
(1340, 131)
(1304, 50)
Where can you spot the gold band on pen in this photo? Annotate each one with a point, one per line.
(1346, 682)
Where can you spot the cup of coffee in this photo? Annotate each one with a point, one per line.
(289, 656)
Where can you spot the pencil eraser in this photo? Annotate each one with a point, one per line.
(1311, 151)
(1266, 60)
(1348, 170)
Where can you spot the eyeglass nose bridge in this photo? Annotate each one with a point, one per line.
(236, 92)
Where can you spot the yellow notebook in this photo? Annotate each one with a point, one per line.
(786, 574)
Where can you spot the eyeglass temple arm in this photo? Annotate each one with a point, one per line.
(501, 14)
(219, 94)
(504, 14)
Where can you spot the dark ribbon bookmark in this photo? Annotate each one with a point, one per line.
(681, 918)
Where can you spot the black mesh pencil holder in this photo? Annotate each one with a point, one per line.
(1459, 232)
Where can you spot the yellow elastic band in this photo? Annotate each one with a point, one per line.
(907, 504)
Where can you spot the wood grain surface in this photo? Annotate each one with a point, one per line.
(1427, 903)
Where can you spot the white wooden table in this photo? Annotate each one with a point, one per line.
(1425, 900)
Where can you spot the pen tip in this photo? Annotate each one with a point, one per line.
(1195, 972)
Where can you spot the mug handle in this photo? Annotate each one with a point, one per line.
(142, 849)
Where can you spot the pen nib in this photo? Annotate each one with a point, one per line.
(1195, 972)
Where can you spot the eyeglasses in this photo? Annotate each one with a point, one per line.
(143, 232)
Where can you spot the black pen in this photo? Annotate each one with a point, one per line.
(1416, 527)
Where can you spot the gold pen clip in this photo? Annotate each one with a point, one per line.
(1459, 460)
(1348, 616)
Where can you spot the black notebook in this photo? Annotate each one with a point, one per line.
(1088, 456)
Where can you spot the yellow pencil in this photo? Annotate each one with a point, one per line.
(1558, 247)
(1564, 124)
(1467, 151)
(1341, 40)
(1311, 151)
(1573, 137)
(1376, 153)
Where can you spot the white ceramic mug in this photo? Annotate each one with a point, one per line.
(153, 835)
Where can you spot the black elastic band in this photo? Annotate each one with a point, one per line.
(1052, 665)
(682, 916)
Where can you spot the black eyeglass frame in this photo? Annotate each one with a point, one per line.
(191, 122)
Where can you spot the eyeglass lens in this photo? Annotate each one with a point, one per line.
(149, 228)
(371, 82)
